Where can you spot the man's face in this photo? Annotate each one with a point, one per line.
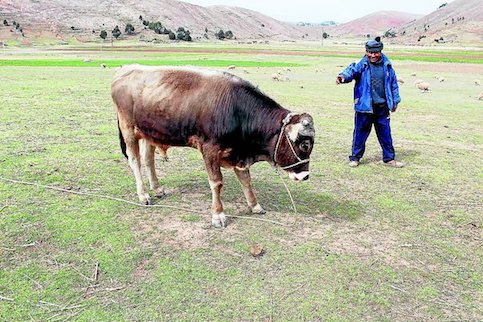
(373, 57)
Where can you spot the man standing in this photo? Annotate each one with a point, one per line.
(376, 93)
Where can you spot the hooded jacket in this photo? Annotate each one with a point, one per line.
(361, 73)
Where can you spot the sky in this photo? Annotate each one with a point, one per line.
(322, 10)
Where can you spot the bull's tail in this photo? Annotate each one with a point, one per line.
(122, 143)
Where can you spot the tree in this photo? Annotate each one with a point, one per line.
(325, 35)
(129, 29)
(116, 32)
(171, 35)
(183, 34)
(220, 34)
(228, 34)
(103, 34)
(5, 22)
(140, 17)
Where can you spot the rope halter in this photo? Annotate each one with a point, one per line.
(285, 122)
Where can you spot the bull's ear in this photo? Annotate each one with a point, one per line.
(307, 128)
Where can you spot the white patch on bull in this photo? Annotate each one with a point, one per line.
(293, 131)
(298, 176)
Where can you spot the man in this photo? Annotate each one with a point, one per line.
(376, 93)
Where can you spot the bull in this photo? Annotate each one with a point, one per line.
(230, 121)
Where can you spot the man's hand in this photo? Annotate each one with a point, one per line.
(339, 79)
(394, 109)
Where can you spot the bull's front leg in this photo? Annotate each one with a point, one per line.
(243, 176)
(215, 179)
(147, 151)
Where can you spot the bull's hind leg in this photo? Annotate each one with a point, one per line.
(134, 160)
(243, 176)
(215, 178)
(147, 151)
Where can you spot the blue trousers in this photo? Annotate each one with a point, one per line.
(362, 128)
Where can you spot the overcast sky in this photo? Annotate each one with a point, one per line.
(323, 10)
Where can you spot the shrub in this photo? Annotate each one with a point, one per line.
(116, 32)
(220, 34)
(228, 34)
(103, 34)
(129, 29)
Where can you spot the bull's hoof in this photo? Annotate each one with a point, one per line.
(258, 210)
(159, 192)
(144, 199)
(218, 220)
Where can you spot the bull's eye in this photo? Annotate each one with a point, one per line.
(304, 146)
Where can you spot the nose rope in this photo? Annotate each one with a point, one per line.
(285, 122)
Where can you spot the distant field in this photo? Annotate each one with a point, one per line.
(154, 62)
(370, 243)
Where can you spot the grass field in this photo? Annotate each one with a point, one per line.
(370, 243)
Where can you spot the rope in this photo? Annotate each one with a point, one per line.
(141, 205)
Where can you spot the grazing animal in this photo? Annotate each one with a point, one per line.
(423, 86)
(277, 77)
(226, 118)
(400, 81)
(477, 82)
(480, 97)
(231, 67)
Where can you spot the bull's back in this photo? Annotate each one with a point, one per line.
(168, 105)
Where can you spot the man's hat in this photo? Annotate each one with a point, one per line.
(374, 46)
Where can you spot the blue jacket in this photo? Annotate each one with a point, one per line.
(361, 73)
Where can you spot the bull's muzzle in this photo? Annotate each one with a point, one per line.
(299, 176)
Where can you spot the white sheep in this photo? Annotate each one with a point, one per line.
(423, 86)
(480, 97)
(400, 81)
(413, 74)
(477, 82)
(231, 67)
(103, 65)
(441, 79)
(276, 77)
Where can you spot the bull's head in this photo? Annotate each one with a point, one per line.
(294, 145)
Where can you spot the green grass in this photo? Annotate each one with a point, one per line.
(152, 62)
(370, 243)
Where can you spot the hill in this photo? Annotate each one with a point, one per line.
(376, 23)
(460, 21)
(85, 19)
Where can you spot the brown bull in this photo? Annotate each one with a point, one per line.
(226, 118)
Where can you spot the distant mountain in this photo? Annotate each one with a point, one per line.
(460, 21)
(84, 19)
(374, 24)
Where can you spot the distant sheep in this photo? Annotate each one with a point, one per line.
(246, 71)
(276, 77)
(441, 79)
(423, 86)
(400, 81)
(480, 97)
(103, 65)
(477, 82)
(231, 67)
(413, 74)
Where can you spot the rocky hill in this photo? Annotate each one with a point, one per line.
(460, 21)
(85, 19)
(377, 23)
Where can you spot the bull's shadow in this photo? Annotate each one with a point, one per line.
(191, 188)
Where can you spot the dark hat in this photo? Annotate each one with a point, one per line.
(374, 45)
